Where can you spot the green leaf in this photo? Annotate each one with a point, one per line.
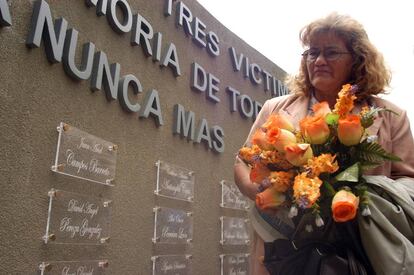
(372, 152)
(350, 174)
(368, 118)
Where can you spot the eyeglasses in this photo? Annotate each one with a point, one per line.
(329, 54)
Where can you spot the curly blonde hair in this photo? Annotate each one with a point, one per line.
(368, 70)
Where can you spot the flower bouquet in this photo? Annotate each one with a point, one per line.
(318, 167)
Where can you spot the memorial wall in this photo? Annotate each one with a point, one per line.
(120, 121)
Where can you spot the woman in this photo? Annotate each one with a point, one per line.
(338, 51)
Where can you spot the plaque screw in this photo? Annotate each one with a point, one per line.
(247, 241)
(246, 220)
(50, 237)
(188, 257)
(189, 214)
(45, 266)
(103, 264)
(58, 167)
(222, 204)
(65, 127)
(104, 240)
(107, 203)
(189, 240)
(113, 147)
(156, 209)
(109, 181)
(222, 241)
(52, 193)
(156, 239)
(190, 199)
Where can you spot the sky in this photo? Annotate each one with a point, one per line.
(272, 27)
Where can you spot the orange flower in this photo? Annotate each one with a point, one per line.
(324, 163)
(250, 154)
(321, 109)
(350, 130)
(345, 101)
(280, 138)
(281, 181)
(344, 206)
(306, 191)
(259, 172)
(298, 154)
(315, 130)
(260, 139)
(269, 198)
(278, 121)
(275, 159)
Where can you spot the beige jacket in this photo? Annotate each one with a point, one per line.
(393, 130)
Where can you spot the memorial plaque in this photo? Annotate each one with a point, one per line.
(174, 182)
(84, 156)
(171, 265)
(77, 219)
(73, 267)
(172, 226)
(231, 197)
(234, 231)
(234, 264)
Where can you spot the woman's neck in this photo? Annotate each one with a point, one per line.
(328, 97)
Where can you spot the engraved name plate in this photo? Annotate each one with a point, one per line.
(73, 267)
(231, 197)
(234, 264)
(234, 231)
(77, 219)
(85, 156)
(174, 182)
(171, 265)
(172, 226)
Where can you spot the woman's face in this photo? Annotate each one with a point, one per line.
(329, 64)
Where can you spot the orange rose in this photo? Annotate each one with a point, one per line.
(321, 109)
(259, 172)
(260, 139)
(278, 121)
(344, 206)
(298, 154)
(280, 138)
(315, 130)
(269, 198)
(350, 130)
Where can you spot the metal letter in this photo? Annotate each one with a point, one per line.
(184, 18)
(142, 34)
(203, 133)
(152, 106)
(199, 35)
(5, 18)
(218, 141)
(124, 83)
(184, 122)
(107, 74)
(42, 22)
(243, 100)
(171, 59)
(233, 94)
(117, 26)
(101, 8)
(198, 75)
(168, 7)
(213, 44)
(254, 68)
(212, 88)
(233, 57)
(156, 46)
(69, 52)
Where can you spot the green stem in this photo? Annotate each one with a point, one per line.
(330, 188)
